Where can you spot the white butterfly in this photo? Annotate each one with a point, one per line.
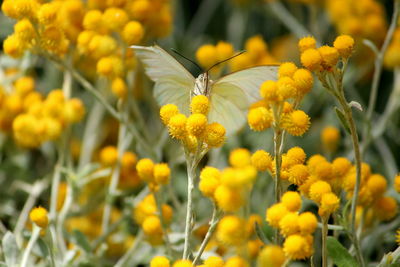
(230, 95)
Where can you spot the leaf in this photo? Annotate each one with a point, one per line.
(339, 254)
(80, 239)
(10, 249)
(355, 104)
(342, 119)
(44, 249)
(260, 233)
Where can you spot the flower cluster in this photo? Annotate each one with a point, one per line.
(279, 102)
(35, 120)
(296, 227)
(364, 19)
(228, 188)
(153, 174)
(194, 131)
(256, 54)
(151, 220)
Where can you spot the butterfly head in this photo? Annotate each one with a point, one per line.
(202, 85)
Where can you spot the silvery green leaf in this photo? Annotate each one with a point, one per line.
(10, 249)
(342, 119)
(339, 254)
(80, 239)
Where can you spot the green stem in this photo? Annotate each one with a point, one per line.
(324, 238)
(191, 167)
(31, 243)
(213, 225)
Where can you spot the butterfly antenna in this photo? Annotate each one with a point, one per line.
(229, 58)
(188, 59)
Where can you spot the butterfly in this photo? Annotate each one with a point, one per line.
(230, 96)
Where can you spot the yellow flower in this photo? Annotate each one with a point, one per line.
(289, 224)
(298, 174)
(177, 126)
(259, 118)
(183, 263)
(318, 189)
(311, 59)
(14, 46)
(47, 13)
(261, 160)
(200, 104)
(330, 56)
(291, 200)
(101, 46)
(307, 223)
(145, 169)
(344, 44)
(236, 261)
(39, 217)
(303, 80)
(324, 171)
(110, 67)
(207, 55)
(271, 256)
(152, 225)
(296, 247)
(159, 261)
(167, 112)
(377, 185)
(397, 183)
(24, 30)
(385, 208)
(224, 50)
(108, 155)
(24, 85)
(286, 88)
(275, 213)
(329, 204)
(214, 261)
(119, 88)
(256, 47)
(162, 173)
(230, 230)
(306, 43)
(269, 91)
(209, 181)
(133, 32)
(239, 157)
(330, 137)
(287, 69)
(228, 200)
(296, 154)
(93, 20)
(196, 124)
(296, 123)
(341, 166)
(214, 135)
(115, 18)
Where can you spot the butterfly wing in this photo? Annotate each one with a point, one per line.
(173, 82)
(232, 94)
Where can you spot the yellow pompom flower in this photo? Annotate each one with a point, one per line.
(397, 183)
(207, 55)
(214, 261)
(133, 32)
(24, 85)
(196, 124)
(287, 69)
(330, 56)
(324, 171)
(119, 88)
(296, 154)
(93, 20)
(377, 185)
(269, 91)
(256, 47)
(39, 217)
(24, 30)
(307, 223)
(298, 174)
(318, 189)
(160, 261)
(115, 18)
(162, 173)
(275, 213)
(271, 256)
(224, 50)
(209, 181)
(385, 208)
(182, 263)
(296, 247)
(200, 104)
(286, 88)
(303, 81)
(311, 59)
(152, 225)
(296, 123)
(291, 200)
(344, 44)
(306, 43)
(261, 160)
(110, 67)
(47, 13)
(259, 118)
(239, 157)
(329, 204)
(289, 224)
(14, 46)
(74, 110)
(19, 9)
(330, 138)
(230, 230)
(214, 135)
(108, 155)
(101, 46)
(236, 261)
(145, 169)
(228, 200)
(341, 166)
(167, 112)
(177, 126)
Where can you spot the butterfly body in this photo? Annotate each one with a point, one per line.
(230, 96)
